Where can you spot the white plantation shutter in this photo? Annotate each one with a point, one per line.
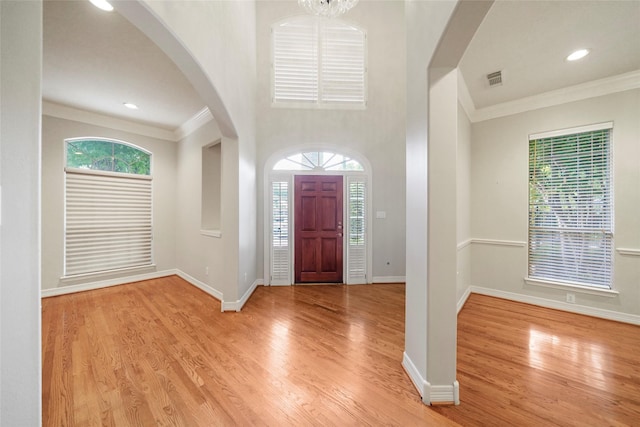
(295, 62)
(356, 230)
(570, 206)
(280, 242)
(318, 62)
(108, 221)
(342, 73)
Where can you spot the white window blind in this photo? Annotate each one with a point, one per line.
(280, 247)
(356, 227)
(570, 207)
(318, 62)
(108, 221)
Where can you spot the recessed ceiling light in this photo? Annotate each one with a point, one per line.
(102, 4)
(578, 54)
(130, 105)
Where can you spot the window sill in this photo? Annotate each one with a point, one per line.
(211, 233)
(609, 293)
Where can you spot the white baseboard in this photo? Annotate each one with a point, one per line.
(463, 299)
(45, 293)
(389, 279)
(442, 394)
(418, 382)
(201, 285)
(237, 305)
(559, 305)
(225, 305)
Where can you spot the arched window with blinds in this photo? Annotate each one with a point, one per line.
(108, 206)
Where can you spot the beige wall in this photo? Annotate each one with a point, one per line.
(54, 132)
(377, 133)
(499, 196)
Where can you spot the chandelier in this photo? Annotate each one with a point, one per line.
(327, 8)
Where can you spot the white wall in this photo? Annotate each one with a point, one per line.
(425, 23)
(20, 80)
(54, 132)
(463, 186)
(499, 196)
(378, 133)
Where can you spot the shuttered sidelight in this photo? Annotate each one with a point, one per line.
(357, 230)
(280, 243)
(108, 222)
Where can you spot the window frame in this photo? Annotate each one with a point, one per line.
(575, 282)
(319, 103)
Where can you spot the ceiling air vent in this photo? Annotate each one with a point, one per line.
(495, 79)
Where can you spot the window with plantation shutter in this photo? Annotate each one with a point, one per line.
(356, 227)
(570, 206)
(280, 247)
(318, 63)
(108, 216)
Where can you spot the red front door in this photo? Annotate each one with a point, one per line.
(318, 229)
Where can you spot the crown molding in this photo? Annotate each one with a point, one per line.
(200, 119)
(69, 113)
(592, 89)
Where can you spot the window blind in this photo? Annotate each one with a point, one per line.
(570, 207)
(108, 222)
(318, 62)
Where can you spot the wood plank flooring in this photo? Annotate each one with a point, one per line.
(160, 353)
(522, 365)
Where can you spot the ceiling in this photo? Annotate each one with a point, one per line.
(529, 41)
(96, 61)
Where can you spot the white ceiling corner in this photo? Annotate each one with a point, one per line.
(529, 40)
(94, 61)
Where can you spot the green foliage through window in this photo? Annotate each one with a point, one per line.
(107, 155)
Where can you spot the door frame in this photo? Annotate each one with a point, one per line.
(271, 176)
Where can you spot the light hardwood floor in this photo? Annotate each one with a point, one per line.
(160, 353)
(522, 365)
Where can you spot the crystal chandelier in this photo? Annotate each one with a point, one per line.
(327, 8)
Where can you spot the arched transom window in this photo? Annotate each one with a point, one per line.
(318, 161)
